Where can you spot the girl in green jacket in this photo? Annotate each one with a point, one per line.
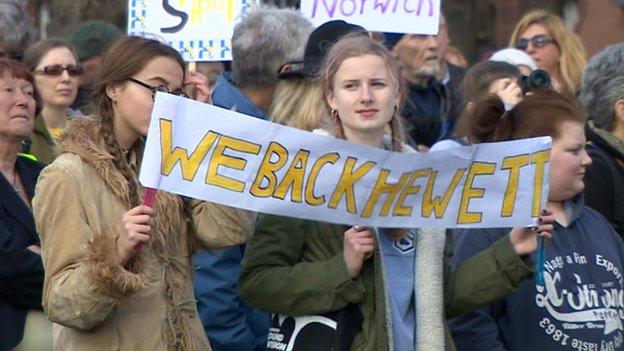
(393, 300)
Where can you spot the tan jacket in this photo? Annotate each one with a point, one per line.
(96, 303)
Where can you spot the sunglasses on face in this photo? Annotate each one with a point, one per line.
(537, 41)
(161, 87)
(57, 70)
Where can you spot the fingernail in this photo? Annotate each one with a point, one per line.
(534, 228)
(544, 211)
(540, 220)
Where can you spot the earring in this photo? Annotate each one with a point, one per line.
(396, 108)
(335, 113)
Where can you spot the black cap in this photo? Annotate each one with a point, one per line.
(391, 39)
(319, 43)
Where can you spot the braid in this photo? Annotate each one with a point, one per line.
(396, 130)
(119, 160)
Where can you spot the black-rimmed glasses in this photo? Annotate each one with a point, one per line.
(537, 41)
(160, 87)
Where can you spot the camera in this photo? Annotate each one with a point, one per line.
(537, 79)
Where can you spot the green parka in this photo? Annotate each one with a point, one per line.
(296, 267)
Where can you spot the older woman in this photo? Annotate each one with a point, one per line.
(602, 97)
(553, 47)
(21, 270)
(55, 66)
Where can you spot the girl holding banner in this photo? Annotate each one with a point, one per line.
(579, 305)
(100, 290)
(354, 288)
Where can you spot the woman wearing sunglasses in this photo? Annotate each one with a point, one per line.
(55, 66)
(553, 47)
(102, 292)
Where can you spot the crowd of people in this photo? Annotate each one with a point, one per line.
(86, 265)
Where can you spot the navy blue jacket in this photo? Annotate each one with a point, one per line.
(580, 306)
(231, 325)
(21, 270)
(430, 110)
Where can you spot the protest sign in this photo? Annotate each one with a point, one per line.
(201, 30)
(205, 152)
(397, 16)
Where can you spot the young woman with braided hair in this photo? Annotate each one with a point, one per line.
(387, 289)
(100, 291)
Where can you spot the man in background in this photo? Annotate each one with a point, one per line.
(433, 99)
(264, 40)
(90, 39)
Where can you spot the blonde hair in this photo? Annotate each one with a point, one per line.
(298, 103)
(572, 61)
(354, 45)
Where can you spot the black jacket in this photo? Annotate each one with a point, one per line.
(430, 110)
(604, 179)
(21, 270)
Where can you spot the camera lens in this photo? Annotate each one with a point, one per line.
(538, 79)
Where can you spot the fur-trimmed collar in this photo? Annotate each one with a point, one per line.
(83, 137)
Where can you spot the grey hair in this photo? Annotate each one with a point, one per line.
(17, 31)
(603, 85)
(266, 38)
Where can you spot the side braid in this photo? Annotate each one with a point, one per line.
(396, 128)
(119, 160)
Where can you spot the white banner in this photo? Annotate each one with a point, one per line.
(397, 16)
(205, 152)
(200, 30)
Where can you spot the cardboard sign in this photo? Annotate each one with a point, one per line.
(396, 16)
(201, 30)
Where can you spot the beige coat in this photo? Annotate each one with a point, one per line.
(96, 303)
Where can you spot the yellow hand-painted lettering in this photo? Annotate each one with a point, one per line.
(293, 179)
(400, 209)
(189, 165)
(513, 164)
(267, 170)
(310, 198)
(476, 169)
(219, 159)
(539, 159)
(382, 186)
(347, 180)
(435, 204)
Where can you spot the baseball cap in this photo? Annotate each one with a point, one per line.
(318, 45)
